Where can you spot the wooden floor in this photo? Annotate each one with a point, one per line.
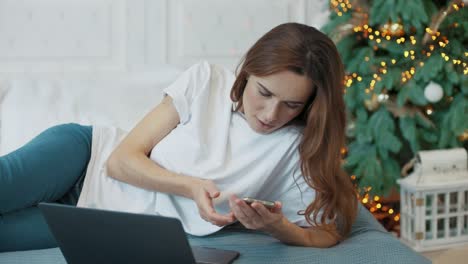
(448, 256)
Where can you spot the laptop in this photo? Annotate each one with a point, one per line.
(87, 235)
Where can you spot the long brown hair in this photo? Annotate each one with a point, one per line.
(306, 51)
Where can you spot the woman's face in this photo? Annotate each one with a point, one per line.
(270, 102)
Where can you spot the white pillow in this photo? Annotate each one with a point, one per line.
(32, 105)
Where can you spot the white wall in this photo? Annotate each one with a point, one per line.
(138, 35)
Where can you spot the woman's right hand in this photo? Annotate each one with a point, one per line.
(203, 193)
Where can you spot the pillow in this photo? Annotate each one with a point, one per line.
(31, 105)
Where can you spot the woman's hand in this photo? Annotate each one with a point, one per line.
(256, 216)
(203, 193)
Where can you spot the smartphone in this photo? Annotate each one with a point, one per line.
(267, 204)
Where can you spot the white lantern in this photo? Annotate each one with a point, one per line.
(434, 201)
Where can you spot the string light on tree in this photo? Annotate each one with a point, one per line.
(464, 136)
(393, 29)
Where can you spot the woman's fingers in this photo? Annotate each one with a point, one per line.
(247, 210)
(210, 214)
(256, 215)
(219, 219)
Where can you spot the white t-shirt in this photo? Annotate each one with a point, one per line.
(210, 142)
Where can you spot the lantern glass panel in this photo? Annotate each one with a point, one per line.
(429, 200)
(453, 226)
(428, 230)
(465, 204)
(465, 225)
(440, 227)
(412, 228)
(440, 203)
(453, 202)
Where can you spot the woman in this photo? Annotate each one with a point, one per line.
(273, 132)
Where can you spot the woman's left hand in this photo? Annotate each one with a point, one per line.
(256, 215)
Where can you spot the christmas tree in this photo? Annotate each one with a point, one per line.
(406, 85)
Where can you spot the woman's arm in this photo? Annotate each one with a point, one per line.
(292, 234)
(130, 163)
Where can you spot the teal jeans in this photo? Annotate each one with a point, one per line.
(49, 168)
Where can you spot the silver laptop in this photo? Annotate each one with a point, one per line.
(89, 236)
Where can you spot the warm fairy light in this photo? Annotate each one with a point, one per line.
(375, 75)
(340, 6)
(434, 37)
(428, 54)
(393, 61)
(421, 63)
(390, 211)
(403, 79)
(406, 53)
(378, 40)
(455, 6)
(359, 78)
(429, 111)
(366, 26)
(377, 33)
(431, 47)
(376, 198)
(343, 151)
(384, 71)
(396, 218)
(371, 37)
(353, 177)
(379, 205)
(364, 200)
(366, 58)
(388, 37)
(367, 91)
(354, 74)
(383, 63)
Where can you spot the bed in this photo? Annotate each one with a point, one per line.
(29, 105)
